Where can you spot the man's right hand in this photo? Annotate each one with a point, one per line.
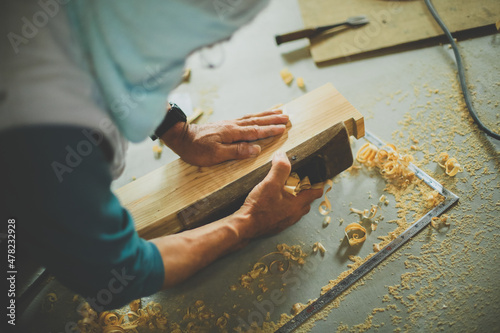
(269, 208)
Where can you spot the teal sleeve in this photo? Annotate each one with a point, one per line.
(57, 187)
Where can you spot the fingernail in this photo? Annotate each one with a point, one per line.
(279, 154)
(254, 150)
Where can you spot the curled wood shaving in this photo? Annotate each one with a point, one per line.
(135, 305)
(294, 185)
(325, 206)
(222, 321)
(286, 255)
(48, 302)
(355, 233)
(150, 316)
(450, 165)
(367, 214)
(442, 158)
(436, 222)
(392, 164)
(366, 154)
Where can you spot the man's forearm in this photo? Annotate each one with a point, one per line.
(186, 253)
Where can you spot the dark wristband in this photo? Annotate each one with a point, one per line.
(173, 116)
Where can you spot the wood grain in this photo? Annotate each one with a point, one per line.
(322, 157)
(156, 199)
(391, 23)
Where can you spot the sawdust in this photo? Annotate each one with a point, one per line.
(441, 289)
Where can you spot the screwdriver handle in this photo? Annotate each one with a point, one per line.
(304, 33)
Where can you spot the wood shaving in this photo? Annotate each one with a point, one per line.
(157, 150)
(392, 164)
(433, 199)
(367, 214)
(325, 206)
(151, 316)
(197, 113)
(286, 76)
(366, 154)
(300, 82)
(294, 185)
(449, 164)
(452, 167)
(277, 262)
(315, 247)
(186, 75)
(437, 222)
(355, 233)
(326, 221)
(297, 307)
(48, 302)
(321, 249)
(442, 158)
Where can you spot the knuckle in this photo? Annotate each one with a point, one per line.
(255, 129)
(283, 165)
(228, 126)
(241, 149)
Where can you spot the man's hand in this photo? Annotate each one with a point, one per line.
(214, 143)
(269, 208)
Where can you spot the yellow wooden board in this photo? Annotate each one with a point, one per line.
(391, 23)
(155, 199)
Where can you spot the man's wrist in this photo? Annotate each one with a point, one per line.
(242, 225)
(175, 135)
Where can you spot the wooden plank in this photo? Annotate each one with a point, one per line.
(155, 199)
(322, 157)
(391, 23)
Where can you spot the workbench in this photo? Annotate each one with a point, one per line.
(442, 280)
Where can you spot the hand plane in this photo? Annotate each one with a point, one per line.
(180, 196)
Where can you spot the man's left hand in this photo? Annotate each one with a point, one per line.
(213, 143)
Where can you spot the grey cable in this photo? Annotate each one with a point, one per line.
(461, 72)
